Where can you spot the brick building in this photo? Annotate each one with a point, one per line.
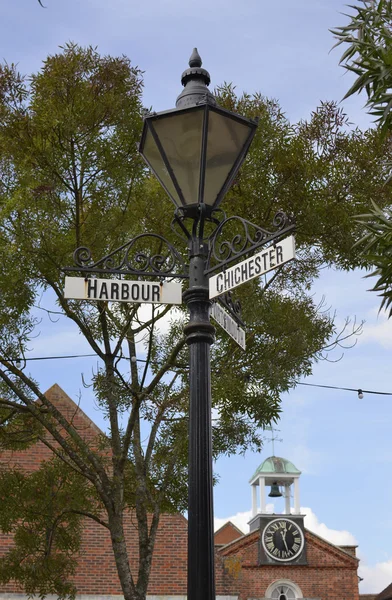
(279, 559)
(386, 594)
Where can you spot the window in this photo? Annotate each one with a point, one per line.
(283, 590)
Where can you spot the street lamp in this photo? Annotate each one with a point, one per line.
(195, 151)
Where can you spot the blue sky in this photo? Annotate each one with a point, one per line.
(341, 444)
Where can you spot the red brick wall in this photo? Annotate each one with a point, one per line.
(226, 534)
(329, 575)
(96, 572)
(31, 458)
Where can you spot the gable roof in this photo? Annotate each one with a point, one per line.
(227, 533)
(31, 457)
(385, 594)
(315, 544)
(72, 411)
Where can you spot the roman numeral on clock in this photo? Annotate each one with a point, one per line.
(282, 540)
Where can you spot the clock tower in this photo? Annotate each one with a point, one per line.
(282, 536)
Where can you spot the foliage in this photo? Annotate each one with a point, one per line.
(377, 246)
(319, 170)
(71, 176)
(369, 55)
(41, 511)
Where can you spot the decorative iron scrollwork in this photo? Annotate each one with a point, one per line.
(233, 306)
(200, 222)
(244, 237)
(148, 254)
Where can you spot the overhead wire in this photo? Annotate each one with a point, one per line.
(360, 391)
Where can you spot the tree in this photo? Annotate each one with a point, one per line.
(70, 177)
(369, 56)
(376, 245)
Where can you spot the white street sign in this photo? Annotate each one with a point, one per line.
(228, 324)
(258, 264)
(117, 290)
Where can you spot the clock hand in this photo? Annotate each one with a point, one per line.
(283, 534)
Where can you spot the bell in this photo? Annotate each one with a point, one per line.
(275, 491)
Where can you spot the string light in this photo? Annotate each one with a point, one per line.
(359, 391)
(18, 362)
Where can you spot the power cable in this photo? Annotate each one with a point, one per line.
(335, 387)
(21, 360)
(359, 391)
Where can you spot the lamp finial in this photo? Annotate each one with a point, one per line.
(195, 81)
(195, 59)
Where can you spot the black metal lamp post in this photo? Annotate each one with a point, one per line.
(195, 152)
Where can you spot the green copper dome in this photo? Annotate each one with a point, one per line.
(276, 465)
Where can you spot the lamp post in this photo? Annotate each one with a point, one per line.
(195, 152)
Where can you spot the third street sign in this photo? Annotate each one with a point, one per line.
(119, 290)
(228, 324)
(258, 264)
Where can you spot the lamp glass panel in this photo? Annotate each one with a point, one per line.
(226, 139)
(180, 136)
(153, 157)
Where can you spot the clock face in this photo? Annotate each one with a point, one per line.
(283, 540)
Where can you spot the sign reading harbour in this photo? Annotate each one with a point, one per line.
(116, 290)
(258, 264)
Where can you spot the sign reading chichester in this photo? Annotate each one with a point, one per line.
(116, 290)
(258, 264)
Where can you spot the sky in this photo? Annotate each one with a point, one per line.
(341, 444)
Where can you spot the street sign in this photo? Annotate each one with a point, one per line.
(228, 324)
(118, 290)
(269, 258)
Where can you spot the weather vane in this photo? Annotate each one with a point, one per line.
(273, 437)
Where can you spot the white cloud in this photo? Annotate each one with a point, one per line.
(335, 536)
(376, 577)
(378, 329)
(60, 338)
(240, 520)
(308, 459)
(58, 342)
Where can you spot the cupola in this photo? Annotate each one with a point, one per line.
(279, 475)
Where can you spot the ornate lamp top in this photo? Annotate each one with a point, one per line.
(195, 81)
